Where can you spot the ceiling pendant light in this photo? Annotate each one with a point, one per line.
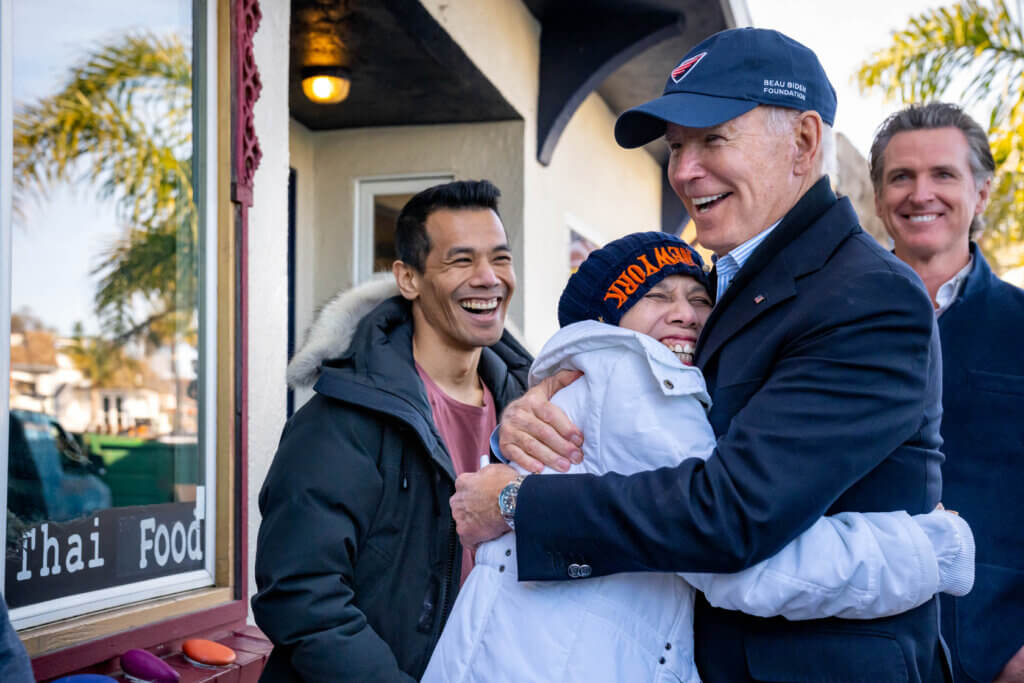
(326, 84)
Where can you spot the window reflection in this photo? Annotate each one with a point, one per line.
(105, 293)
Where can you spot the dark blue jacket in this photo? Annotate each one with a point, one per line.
(823, 363)
(983, 429)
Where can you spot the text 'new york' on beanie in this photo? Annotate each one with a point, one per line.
(617, 275)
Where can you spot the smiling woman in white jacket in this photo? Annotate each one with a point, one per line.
(639, 627)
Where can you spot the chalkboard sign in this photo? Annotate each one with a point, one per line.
(109, 548)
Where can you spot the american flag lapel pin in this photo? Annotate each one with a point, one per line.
(759, 299)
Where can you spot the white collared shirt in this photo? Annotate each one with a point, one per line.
(727, 266)
(950, 289)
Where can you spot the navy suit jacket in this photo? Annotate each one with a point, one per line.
(983, 429)
(823, 364)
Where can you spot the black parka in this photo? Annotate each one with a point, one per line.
(357, 560)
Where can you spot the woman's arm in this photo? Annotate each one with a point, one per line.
(855, 566)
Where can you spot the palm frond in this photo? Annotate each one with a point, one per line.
(967, 39)
(159, 265)
(123, 121)
(122, 124)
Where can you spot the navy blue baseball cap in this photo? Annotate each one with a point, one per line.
(726, 76)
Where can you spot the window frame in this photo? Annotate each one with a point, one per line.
(583, 229)
(366, 189)
(6, 196)
(573, 223)
(215, 582)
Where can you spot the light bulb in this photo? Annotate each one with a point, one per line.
(330, 86)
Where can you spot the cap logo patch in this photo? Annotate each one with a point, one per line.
(679, 73)
(645, 264)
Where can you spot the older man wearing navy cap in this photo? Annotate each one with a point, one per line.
(822, 361)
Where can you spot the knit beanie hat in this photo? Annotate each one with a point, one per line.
(616, 276)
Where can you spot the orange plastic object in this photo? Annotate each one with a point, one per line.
(207, 652)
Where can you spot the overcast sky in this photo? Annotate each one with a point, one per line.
(844, 34)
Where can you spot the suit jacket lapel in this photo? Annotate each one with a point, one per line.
(797, 246)
(979, 281)
(774, 285)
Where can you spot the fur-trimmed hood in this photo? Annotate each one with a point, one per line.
(334, 327)
(332, 331)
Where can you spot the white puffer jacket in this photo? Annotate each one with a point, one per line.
(639, 627)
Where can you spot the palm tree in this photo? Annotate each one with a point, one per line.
(974, 52)
(124, 123)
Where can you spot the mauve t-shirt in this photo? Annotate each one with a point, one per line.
(466, 430)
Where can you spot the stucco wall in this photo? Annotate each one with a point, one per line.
(268, 274)
(610, 190)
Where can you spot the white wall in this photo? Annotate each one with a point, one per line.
(268, 268)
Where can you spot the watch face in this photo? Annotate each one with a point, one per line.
(507, 499)
(504, 502)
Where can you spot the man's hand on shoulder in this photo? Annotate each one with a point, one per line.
(535, 433)
(475, 504)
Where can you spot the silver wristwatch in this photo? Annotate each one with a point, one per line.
(507, 501)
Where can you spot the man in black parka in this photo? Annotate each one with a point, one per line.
(357, 560)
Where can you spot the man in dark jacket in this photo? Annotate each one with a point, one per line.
(357, 560)
(822, 361)
(932, 170)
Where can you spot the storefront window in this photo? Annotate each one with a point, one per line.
(108, 451)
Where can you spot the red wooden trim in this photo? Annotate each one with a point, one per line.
(242, 401)
(246, 153)
(246, 86)
(102, 649)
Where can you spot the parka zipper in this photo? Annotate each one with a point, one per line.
(403, 475)
(449, 594)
